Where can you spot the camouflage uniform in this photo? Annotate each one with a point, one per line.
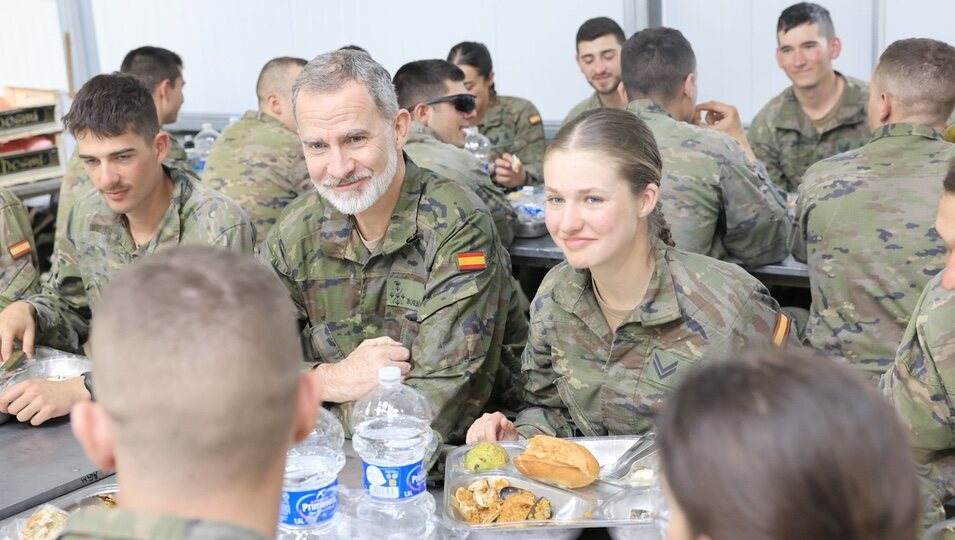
(76, 183)
(585, 380)
(921, 385)
(458, 165)
(258, 163)
(592, 102)
(864, 225)
(97, 244)
(784, 138)
(412, 290)
(138, 525)
(18, 261)
(718, 202)
(514, 126)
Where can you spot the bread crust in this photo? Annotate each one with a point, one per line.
(558, 462)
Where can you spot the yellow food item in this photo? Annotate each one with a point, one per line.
(486, 456)
(515, 163)
(492, 500)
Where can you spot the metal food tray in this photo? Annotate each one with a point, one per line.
(601, 504)
(46, 363)
(531, 229)
(91, 499)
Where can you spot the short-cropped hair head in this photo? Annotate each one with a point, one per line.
(419, 81)
(152, 65)
(920, 74)
(806, 13)
(949, 183)
(332, 71)
(196, 356)
(654, 63)
(599, 27)
(785, 445)
(274, 77)
(111, 105)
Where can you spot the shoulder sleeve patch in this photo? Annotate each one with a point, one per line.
(781, 331)
(20, 249)
(534, 119)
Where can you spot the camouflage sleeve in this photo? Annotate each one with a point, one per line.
(239, 237)
(531, 144)
(74, 184)
(272, 252)
(798, 238)
(18, 260)
(760, 136)
(176, 156)
(494, 197)
(301, 181)
(455, 356)
(757, 225)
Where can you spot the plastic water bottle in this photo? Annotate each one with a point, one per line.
(480, 147)
(309, 507)
(204, 140)
(392, 434)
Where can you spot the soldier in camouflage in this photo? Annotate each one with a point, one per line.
(140, 207)
(432, 91)
(921, 382)
(389, 263)
(258, 160)
(512, 124)
(161, 391)
(864, 217)
(616, 327)
(717, 198)
(599, 41)
(822, 114)
(161, 71)
(19, 276)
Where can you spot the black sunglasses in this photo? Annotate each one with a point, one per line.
(462, 102)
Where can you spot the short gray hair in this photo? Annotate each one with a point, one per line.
(331, 71)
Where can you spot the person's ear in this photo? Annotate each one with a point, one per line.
(163, 89)
(306, 406)
(648, 200)
(161, 145)
(274, 104)
(689, 86)
(91, 428)
(490, 79)
(622, 92)
(402, 125)
(835, 48)
(421, 113)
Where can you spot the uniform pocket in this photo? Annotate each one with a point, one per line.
(566, 392)
(323, 344)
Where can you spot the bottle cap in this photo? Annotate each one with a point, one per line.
(389, 375)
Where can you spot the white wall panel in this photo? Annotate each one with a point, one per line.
(31, 47)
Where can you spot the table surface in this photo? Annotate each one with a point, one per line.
(38, 464)
(43, 187)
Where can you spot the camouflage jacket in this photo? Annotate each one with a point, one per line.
(592, 102)
(584, 380)
(865, 226)
(76, 183)
(784, 138)
(258, 163)
(921, 384)
(717, 201)
(19, 276)
(417, 288)
(118, 523)
(514, 126)
(98, 243)
(458, 165)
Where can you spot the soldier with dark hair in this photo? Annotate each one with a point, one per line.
(599, 41)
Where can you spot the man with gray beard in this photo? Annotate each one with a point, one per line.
(388, 263)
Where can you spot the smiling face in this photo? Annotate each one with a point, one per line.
(351, 151)
(126, 169)
(445, 119)
(591, 212)
(599, 61)
(479, 86)
(806, 55)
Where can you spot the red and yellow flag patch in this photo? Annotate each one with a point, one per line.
(534, 119)
(473, 260)
(781, 332)
(20, 249)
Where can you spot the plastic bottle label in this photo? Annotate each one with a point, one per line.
(309, 507)
(395, 482)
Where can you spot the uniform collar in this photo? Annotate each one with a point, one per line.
(170, 227)
(659, 306)
(263, 117)
(339, 238)
(902, 129)
(791, 116)
(646, 108)
(136, 525)
(421, 133)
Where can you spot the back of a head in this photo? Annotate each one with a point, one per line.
(784, 445)
(806, 13)
(948, 184)
(276, 77)
(920, 74)
(416, 82)
(332, 71)
(152, 65)
(599, 27)
(655, 62)
(110, 105)
(474, 54)
(196, 357)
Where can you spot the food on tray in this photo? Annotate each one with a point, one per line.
(494, 500)
(639, 513)
(486, 456)
(515, 163)
(108, 499)
(45, 524)
(639, 476)
(558, 462)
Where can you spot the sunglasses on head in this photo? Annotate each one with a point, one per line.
(462, 102)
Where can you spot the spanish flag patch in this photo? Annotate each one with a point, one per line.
(534, 119)
(472, 261)
(781, 332)
(20, 249)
